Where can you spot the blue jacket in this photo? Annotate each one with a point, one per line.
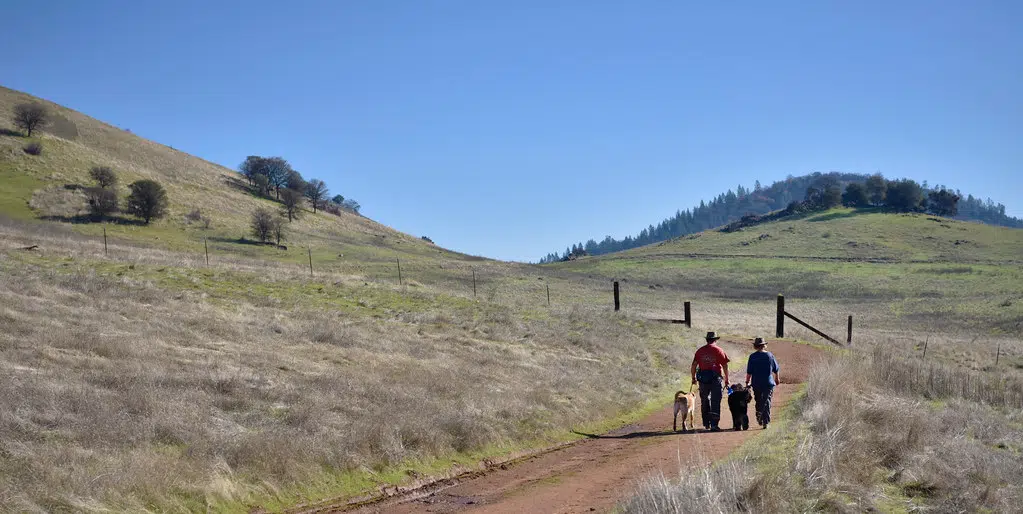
(761, 367)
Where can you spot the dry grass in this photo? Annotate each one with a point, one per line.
(117, 393)
(733, 486)
(858, 445)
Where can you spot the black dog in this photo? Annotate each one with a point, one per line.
(738, 403)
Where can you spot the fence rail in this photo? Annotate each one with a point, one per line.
(780, 324)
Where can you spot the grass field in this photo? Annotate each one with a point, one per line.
(170, 385)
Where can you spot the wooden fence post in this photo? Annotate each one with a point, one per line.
(548, 295)
(474, 282)
(998, 354)
(618, 304)
(925, 348)
(310, 261)
(400, 283)
(104, 241)
(206, 246)
(780, 324)
(848, 340)
(689, 315)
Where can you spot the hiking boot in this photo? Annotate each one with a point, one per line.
(715, 429)
(765, 426)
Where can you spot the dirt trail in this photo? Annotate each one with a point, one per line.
(596, 473)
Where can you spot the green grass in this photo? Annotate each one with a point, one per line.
(845, 234)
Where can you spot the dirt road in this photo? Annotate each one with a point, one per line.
(596, 473)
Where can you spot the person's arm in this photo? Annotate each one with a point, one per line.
(775, 369)
(692, 370)
(724, 369)
(749, 376)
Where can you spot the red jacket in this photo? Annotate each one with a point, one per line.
(710, 357)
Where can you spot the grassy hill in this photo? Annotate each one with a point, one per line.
(914, 267)
(45, 187)
(854, 235)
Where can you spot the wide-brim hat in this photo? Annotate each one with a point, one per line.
(711, 336)
(759, 342)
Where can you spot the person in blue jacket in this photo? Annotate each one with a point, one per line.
(762, 374)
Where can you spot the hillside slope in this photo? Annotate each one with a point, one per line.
(47, 187)
(848, 234)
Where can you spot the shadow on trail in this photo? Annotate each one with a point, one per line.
(639, 435)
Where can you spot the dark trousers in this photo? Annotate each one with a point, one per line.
(763, 399)
(710, 400)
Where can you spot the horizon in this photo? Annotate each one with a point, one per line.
(553, 130)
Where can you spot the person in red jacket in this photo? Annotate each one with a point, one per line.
(710, 369)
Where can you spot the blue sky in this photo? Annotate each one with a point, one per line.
(511, 129)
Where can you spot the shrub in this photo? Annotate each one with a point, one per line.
(148, 200)
(104, 176)
(194, 215)
(332, 208)
(33, 148)
(102, 201)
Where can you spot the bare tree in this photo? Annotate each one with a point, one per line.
(30, 117)
(278, 229)
(351, 205)
(148, 200)
(291, 201)
(316, 192)
(277, 171)
(104, 176)
(262, 224)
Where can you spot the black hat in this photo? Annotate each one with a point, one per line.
(711, 336)
(759, 342)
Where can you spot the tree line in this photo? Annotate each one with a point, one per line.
(274, 178)
(800, 194)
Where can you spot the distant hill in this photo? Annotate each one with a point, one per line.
(732, 205)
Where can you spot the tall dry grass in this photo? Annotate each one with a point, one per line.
(867, 436)
(118, 394)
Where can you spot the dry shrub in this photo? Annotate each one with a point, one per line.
(934, 380)
(957, 457)
(734, 486)
(33, 148)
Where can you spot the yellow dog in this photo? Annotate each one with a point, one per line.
(686, 404)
